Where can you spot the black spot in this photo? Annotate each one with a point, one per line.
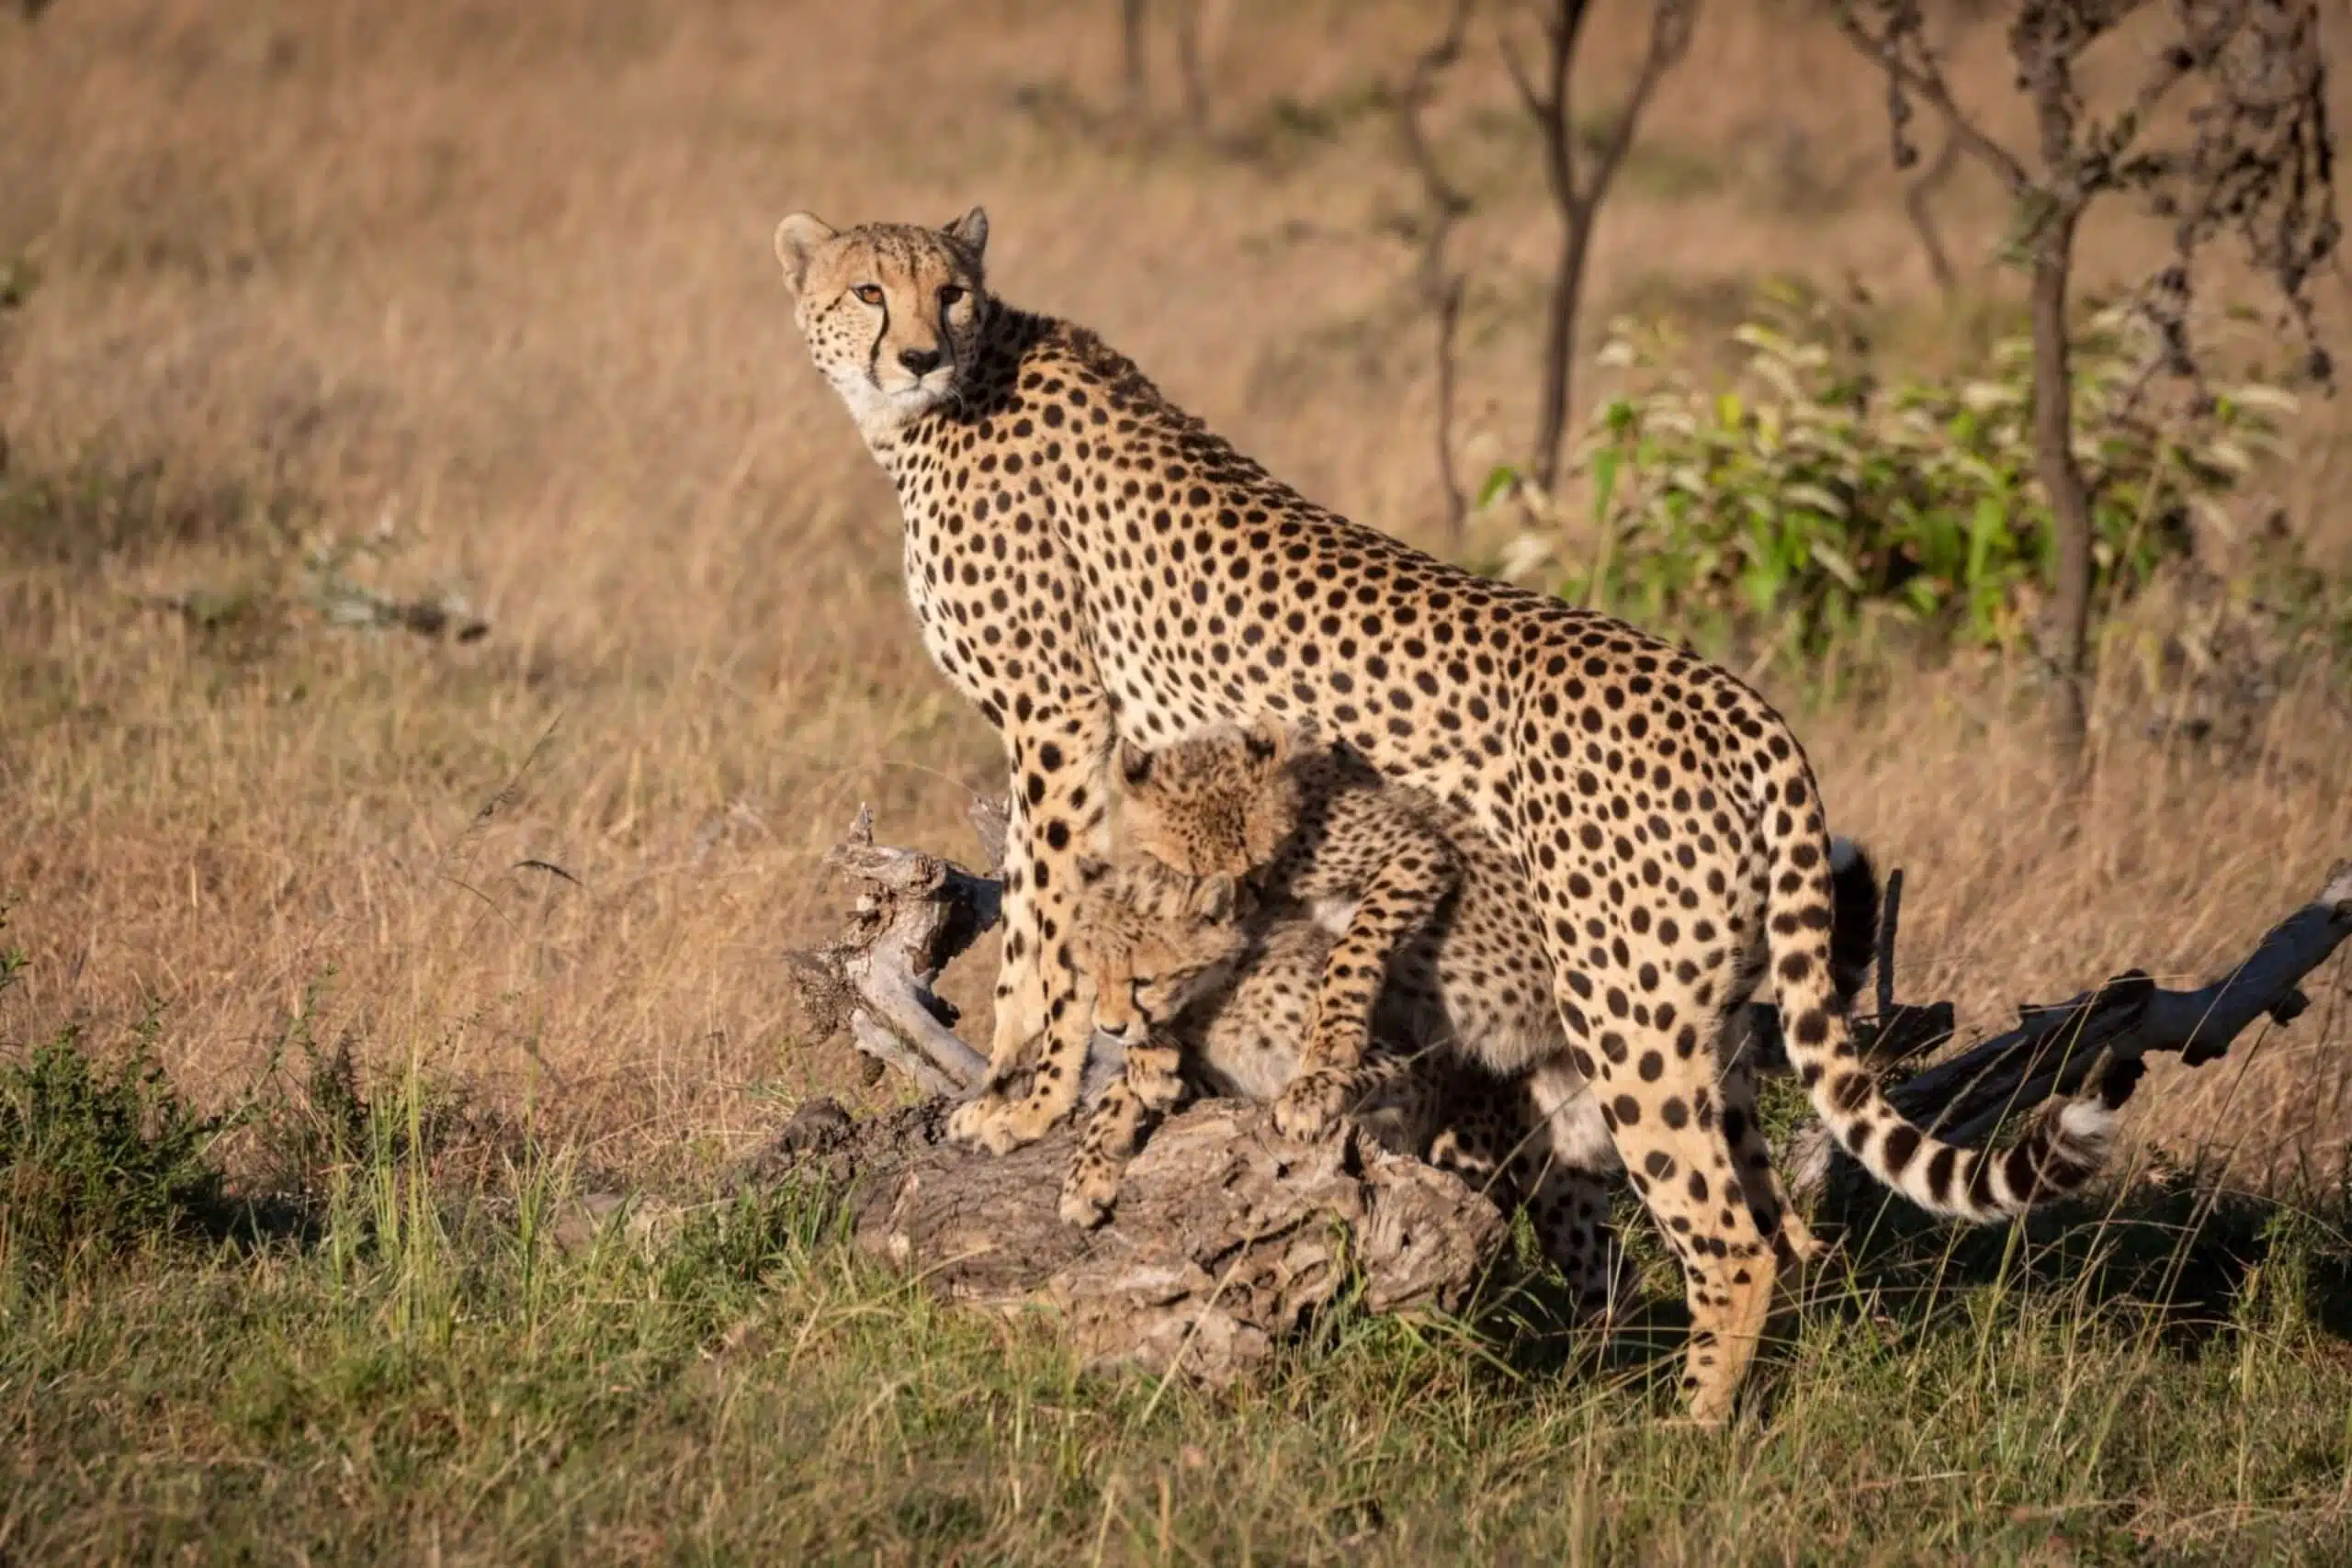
(1940, 1173)
(1850, 1091)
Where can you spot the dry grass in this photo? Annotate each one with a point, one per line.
(501, 277)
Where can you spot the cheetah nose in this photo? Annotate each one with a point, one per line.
(922, 361)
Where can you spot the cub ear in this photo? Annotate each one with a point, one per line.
(1091, 869)
(797, 239)
(1135, 763)
(1266, 740)
(1213, 900)
(971, 230)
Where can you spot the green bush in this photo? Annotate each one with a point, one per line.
(1810, 503)
(97, 1157)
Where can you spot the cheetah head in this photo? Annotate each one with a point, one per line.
(1153, 942)
(892, 311)
(1218, 803)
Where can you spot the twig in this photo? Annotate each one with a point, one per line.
(1890, 913)
(1915, 202)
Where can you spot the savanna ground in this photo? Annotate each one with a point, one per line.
(479, 299)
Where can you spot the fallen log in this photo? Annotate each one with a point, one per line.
(1228, 1236)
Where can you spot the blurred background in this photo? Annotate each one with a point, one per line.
(443, 617)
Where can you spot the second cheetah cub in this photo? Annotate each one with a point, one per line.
(1208, 988)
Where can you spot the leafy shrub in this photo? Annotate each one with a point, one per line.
(97, 1157)
(1810, 503)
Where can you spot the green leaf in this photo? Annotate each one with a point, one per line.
(1500, 478)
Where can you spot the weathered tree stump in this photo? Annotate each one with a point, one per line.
(1227, 1238)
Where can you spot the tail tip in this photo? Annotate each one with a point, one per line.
(1845, 854)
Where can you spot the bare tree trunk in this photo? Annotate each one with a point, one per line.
(1449, 322)
(1577, 210)
(1131, 48)
(1441, 284)
(1188, 65)
(1560, 343)
(2066, 624)
(1580, 201)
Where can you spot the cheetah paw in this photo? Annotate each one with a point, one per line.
(1313, 1103)
(1086, 1197)
(984, 1121)
(1796, 1243)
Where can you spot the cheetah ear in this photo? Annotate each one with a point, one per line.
(1213, 900)
(1135, 763)
(971, 230)
(797, 239)
(1266, 740)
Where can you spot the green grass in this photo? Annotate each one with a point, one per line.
(418, 1371)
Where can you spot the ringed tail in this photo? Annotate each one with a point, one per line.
(2056, 1156)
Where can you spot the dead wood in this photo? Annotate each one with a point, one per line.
(915, 913)
(2053, 1048)
(1228, 1237)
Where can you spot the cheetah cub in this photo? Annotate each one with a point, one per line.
(1385, 867)
(1207, 989)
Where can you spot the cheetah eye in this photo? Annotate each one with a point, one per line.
(869, 293)
(951, 294)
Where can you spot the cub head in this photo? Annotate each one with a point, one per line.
(1218, 803)
(1152, 942)
(892, 311)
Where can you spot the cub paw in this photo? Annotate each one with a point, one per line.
(1154, 1076)
(1088, 1193)
(1313, 1103)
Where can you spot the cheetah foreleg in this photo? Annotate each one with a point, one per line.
(1059, 815)
(1399, 898)
(1150, 1086)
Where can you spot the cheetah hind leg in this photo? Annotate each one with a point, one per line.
(1150, 1087)
(1500, 1139)
(1660, 1098)
(1768, 1199)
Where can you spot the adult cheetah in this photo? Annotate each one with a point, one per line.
(1087, 561)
